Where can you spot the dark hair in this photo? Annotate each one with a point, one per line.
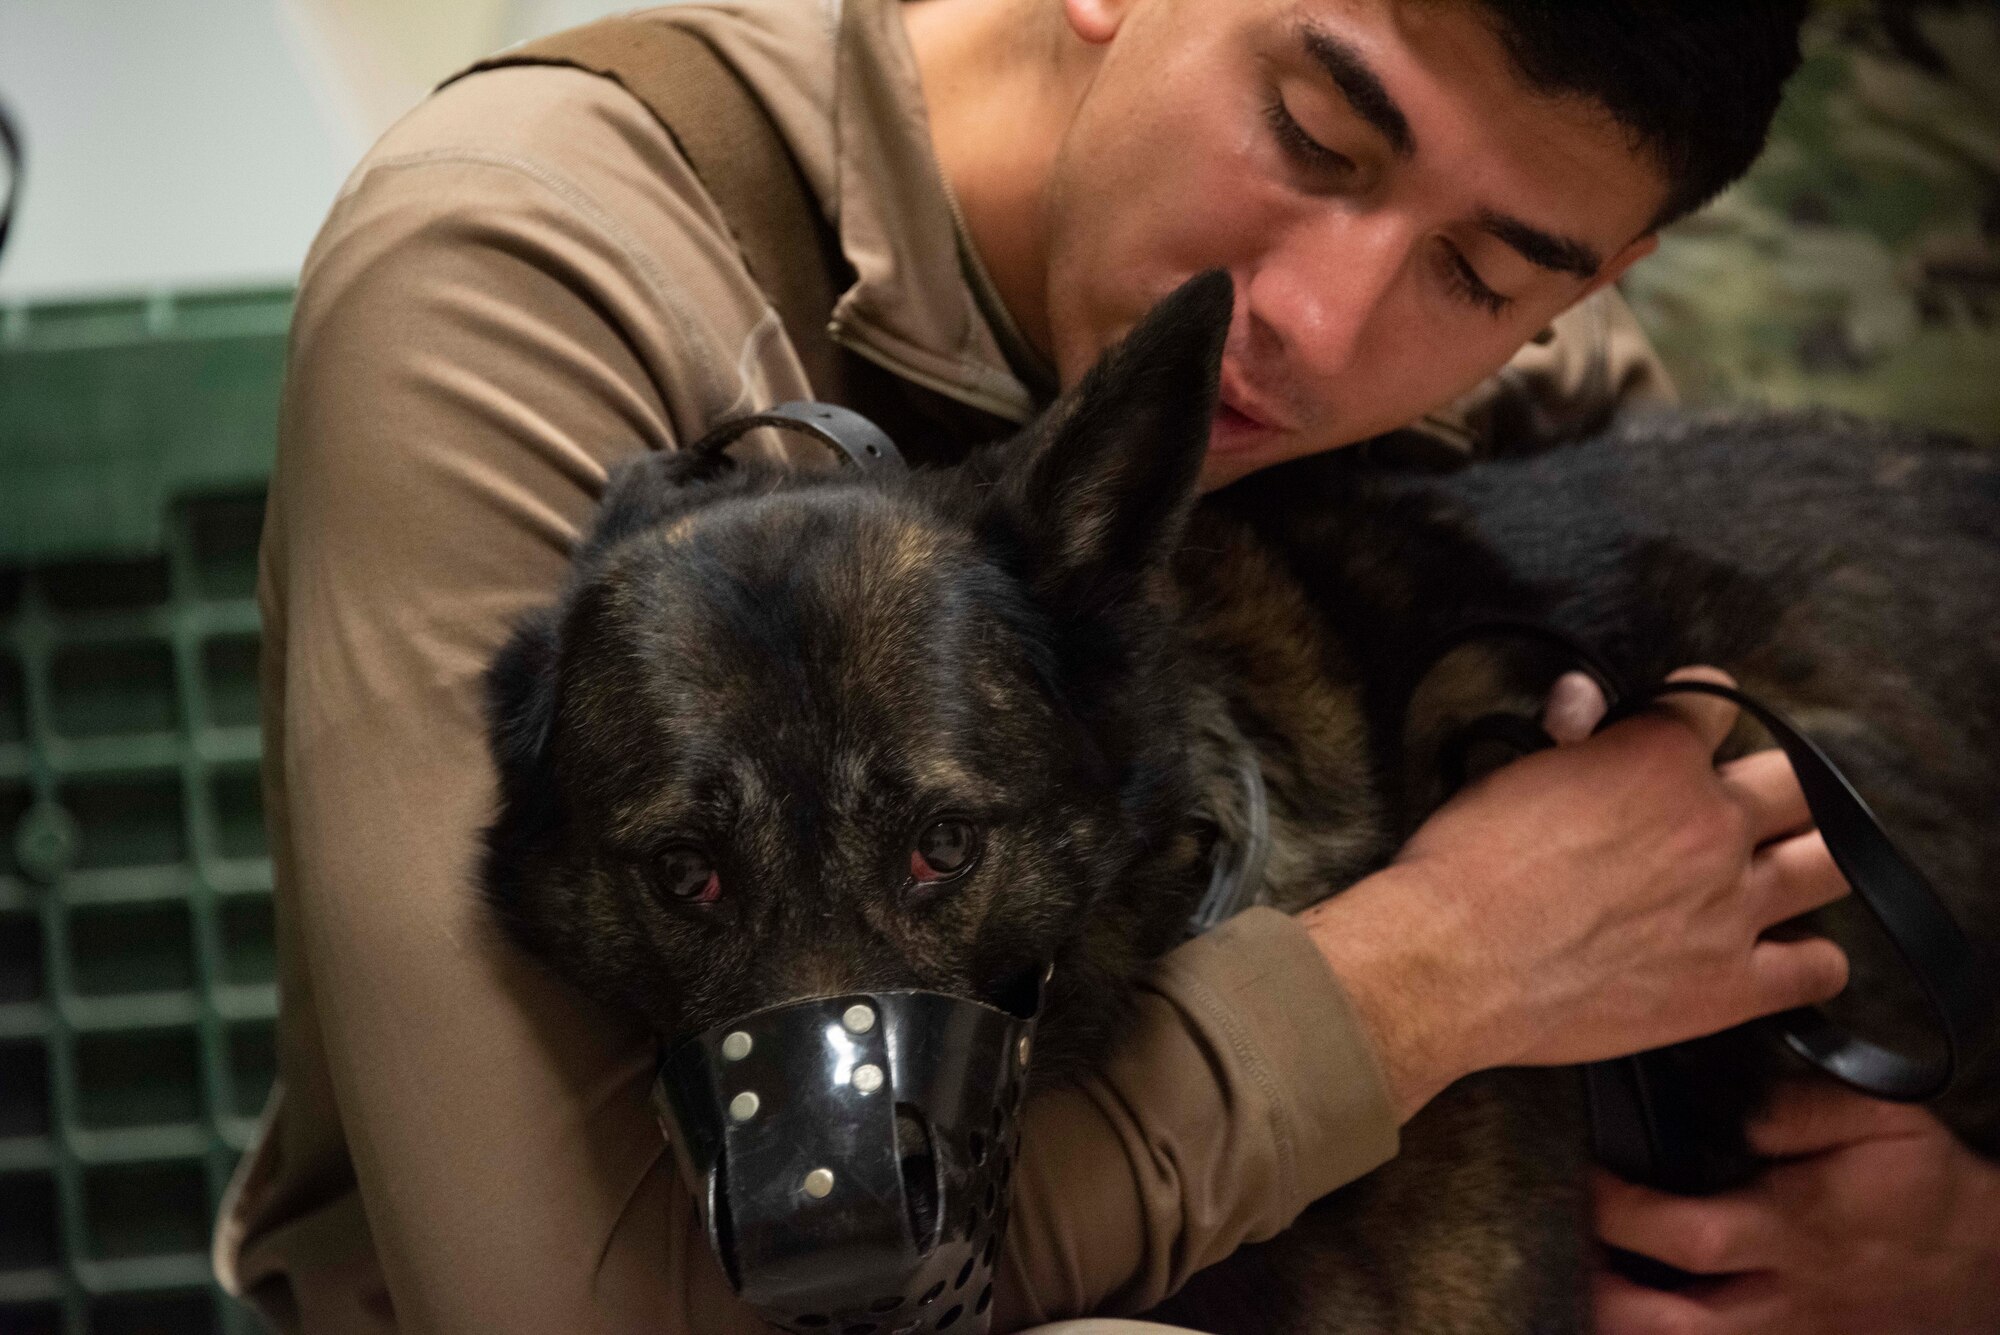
(1694, 82)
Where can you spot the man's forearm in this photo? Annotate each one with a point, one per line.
(1590, 901)
(1404, 974)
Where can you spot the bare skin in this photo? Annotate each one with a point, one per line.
(1394, 239)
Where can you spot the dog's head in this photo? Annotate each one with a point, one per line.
(787, 736)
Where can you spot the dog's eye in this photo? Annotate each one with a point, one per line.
(944, 850)
(686, 874)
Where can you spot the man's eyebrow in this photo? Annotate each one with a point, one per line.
(1538, 247)
(1360, 86)
(1363, 89)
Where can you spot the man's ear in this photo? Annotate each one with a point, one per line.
(1096, 21)
(1109, 474)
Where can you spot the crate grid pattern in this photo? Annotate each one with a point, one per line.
(137, 989)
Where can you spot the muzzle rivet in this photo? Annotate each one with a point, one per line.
(1021, 1051)
(859, 1019)
(736, 1047)
(744, 1106)
(868, 1078)
(819, 1182)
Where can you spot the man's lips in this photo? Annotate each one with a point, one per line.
(1243, 419)
(1257, 410)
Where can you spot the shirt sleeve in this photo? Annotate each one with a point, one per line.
(1248, 1090)
(479, 338)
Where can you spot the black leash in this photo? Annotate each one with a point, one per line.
(1631, 1124)
(1934, 948)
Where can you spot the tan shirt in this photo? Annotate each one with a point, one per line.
(521, 285)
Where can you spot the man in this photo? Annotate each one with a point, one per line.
(525, 282)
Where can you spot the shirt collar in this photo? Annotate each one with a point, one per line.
(914, 306)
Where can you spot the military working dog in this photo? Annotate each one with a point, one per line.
(786, 735)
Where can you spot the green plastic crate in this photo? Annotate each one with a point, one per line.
(110, 409)
(137, 970)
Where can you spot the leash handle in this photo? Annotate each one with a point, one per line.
(853, 436)
(1934, 948)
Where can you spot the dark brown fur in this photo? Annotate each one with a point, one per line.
(797, 673)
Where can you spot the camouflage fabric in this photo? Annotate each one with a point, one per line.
(1859, 264)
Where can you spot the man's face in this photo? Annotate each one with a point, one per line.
(1399, 213)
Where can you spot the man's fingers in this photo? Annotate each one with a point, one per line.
(1713, 1235)
(1625, 1308)
(1712, 719)
(1794, 876)
(1788, 974)
(1812, 1116)
(1576, 706)
(1747, 1305)
(1768, 789)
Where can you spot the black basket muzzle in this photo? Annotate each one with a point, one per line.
(853, 1154)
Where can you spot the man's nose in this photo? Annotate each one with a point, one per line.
(1317, 292)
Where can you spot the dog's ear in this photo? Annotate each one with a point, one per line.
(645, 491)
(520, 683)
(521, 680)
(521, 713)
(1108, 478)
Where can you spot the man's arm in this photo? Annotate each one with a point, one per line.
(460, 381)
(1604, 897)
(1248, 1089)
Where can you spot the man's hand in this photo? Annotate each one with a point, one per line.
(1597, 899)
(1875, 1219)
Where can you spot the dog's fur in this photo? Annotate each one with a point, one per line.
(798, 673)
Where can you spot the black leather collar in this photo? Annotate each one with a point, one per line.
(858, 440)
